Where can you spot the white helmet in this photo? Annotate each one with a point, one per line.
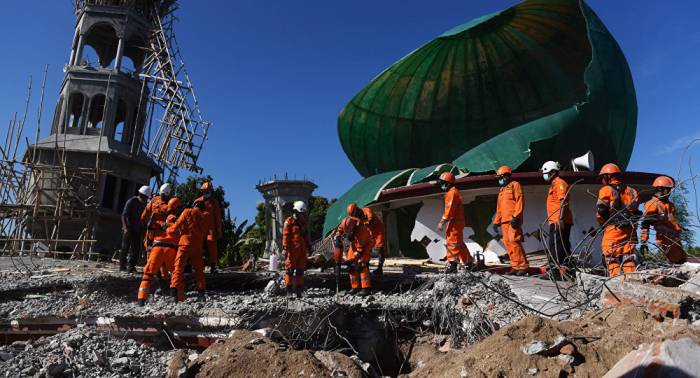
(165, 189)
(550, 166)
(300, 206)
(145, 190)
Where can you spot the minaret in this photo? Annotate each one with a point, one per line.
(102, 108)
(279, 197)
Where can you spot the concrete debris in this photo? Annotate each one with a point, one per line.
(545, 349)
(406, 325)
(670, 358)
(85, 353)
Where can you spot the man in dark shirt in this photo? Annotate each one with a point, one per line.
(132, 229)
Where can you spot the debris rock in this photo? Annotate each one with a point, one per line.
(670, 358)
(542, 348)
(569, 349)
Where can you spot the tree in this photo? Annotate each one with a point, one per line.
(318, 207)
(683, 216)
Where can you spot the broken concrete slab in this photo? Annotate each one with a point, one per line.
(660, 301)
(670, 358)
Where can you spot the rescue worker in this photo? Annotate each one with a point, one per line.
(295, 248)
(559, 216)
(358, 255)
(155, 213)
(163, 251)
(617, 205)
(453, 217)
(509, 217)
(376, 229)
(193, 227)
(213, 209)
(660, 212)
(132, 229)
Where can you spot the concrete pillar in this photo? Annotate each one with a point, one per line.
(87, 102)
(79, 53)
(74, 46)
(120, 55)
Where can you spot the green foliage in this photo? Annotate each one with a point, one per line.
(683, 216)
(253, 242)
(694, 251)
(318, 207)
(232, 236)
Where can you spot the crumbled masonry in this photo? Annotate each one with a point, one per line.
(81, 318)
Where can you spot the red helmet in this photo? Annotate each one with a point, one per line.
(609, 169)
(174, 204)
(206, 186)
(663, 182)
(448, 177)
(352, 209)
(504, 170)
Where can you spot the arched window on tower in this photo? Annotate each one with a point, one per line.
(97, 111)
(57, 115)
(103, 39)
(75, 108)
(121, 130)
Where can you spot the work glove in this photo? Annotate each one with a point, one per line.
(496, 231)
(515, 222)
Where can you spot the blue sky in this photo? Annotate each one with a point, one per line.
(273, 75)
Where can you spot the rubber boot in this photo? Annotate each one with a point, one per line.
(520, 273)
(212, 269)
(290, 290)
(201, 295)
(364, 293)
(299, 291)
(451, 268)
(173, 292)
(141, 302)
(353, 291)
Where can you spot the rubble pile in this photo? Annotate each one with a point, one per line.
(536, 346)
(81, 352)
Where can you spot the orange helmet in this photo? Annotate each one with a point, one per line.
(663, 182)
(348, 225)
(504, 170)
(174, 204)
(206, 186)
(352, 209)
(609, 169)
(448, 177)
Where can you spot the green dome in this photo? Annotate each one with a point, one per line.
(542, 80)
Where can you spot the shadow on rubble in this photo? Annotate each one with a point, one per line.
(241, 282)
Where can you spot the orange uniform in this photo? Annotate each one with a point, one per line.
(153, 216)
(453, 217)
(162, 256)
(376, 228)
(616, 204)
(661, 215)
(297, 245)
(213, 210)
(193, 227)
(557, 206)
(361, 245)
(508, 207)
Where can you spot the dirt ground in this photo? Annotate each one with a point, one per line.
(600, 338)
(249, 354)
